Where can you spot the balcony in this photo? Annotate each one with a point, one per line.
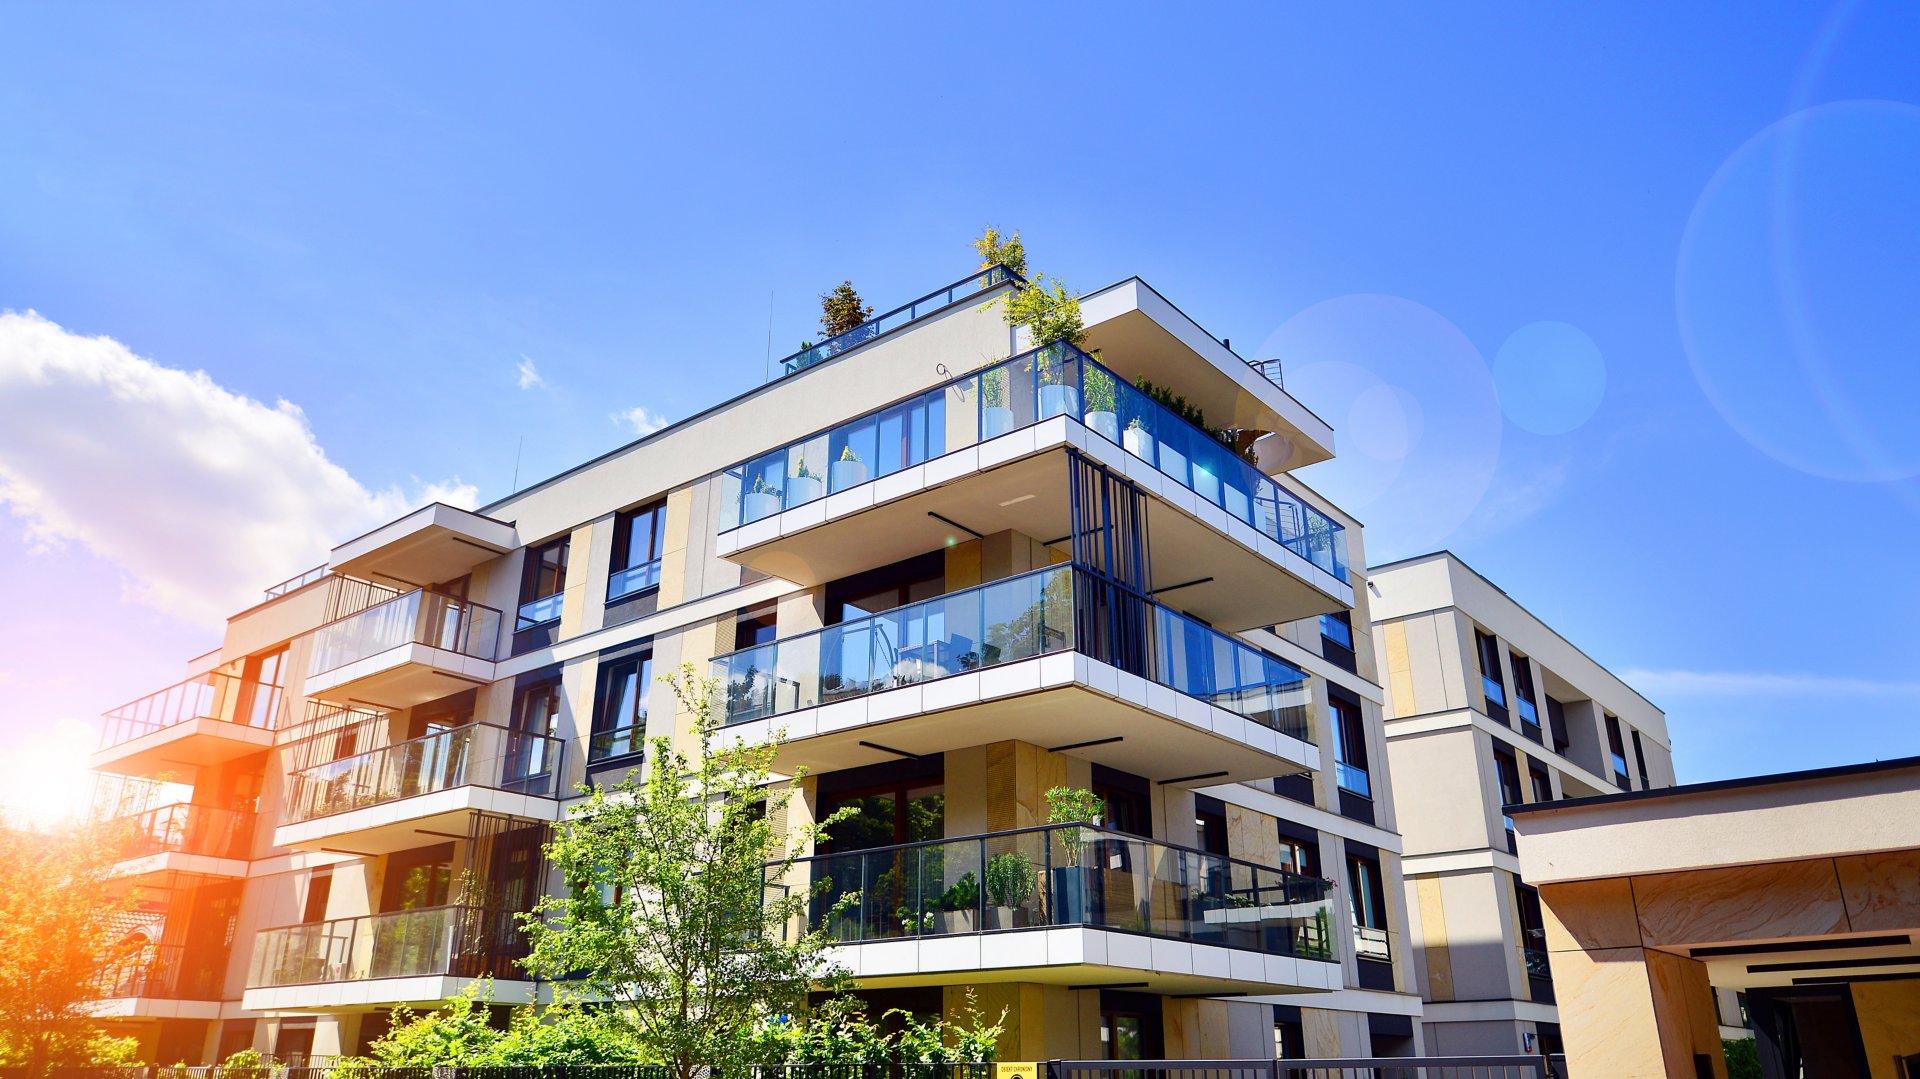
(388, 799)
(989, 452)
(1070, 904)
(158, 981)
(434, 543)
(413, 648)
(198, 723)
(200, 839)
(1057, 657)
(971, 287)
(420, 956)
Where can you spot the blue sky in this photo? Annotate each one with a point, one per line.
(1617, 303)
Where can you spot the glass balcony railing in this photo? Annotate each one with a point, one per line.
(455, 941)
(1371, 943)
(159, 972)
(1058, 380)
(418, 617)
(614, 742)
(1060, 608)
(183, 828)
(634, 579)
(207, 696)
(1064, 875)
(474, 755)
(1534, 959)
(1529, 718)
(1353, 777)
(972, 285)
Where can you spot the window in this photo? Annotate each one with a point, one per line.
(1367, 903)
(1349, 748)
(1491, 685)
(1557, 720)
(1336, 639)
(638, 539)
(1533, 931)
(755, 626)
(319, 888)
(620, 708)
(417, 879)
(1130, 1027)
(1523, 699)
(1126, 798)
(1210, 823)
(1298, 853)
(1617, 753)
(1542, 782)
(1640, 759)
(1506, 771)
(265, 677)
(543, 583)
(531, 753)
(906, 581)
(1289, 1036)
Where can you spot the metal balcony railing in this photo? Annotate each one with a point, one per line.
(423, 617)
(205, 696)
(455, 941)
(1061, 608)
(477, 754)
(184, 828)
(159, 972)
(1065, 875)
(1057, 380)
(972, 285)
(297, 581)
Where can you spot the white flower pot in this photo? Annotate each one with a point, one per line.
(844, 474)
(1106, 423)
(1059, 401)
(995, 420)
(804, 489)
(1206, 485)
(1173, 463)
(1239, 505)
(1140, 443)
(760, 504)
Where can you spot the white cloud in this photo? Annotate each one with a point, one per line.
(640, 421)
(200, 495)
(1679, 683)
(530, 375)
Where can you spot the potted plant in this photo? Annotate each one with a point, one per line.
(1075, 885)
(914, 923)
(995, 417)
(1139, 440)
(962, 901)
(1010, 887)
(804, 486)
(848, 471)
(1058, 395)
(763, 500)
(1100, 411)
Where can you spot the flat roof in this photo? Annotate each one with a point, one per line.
(1811, 775)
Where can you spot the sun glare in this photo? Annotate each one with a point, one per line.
(43, 775)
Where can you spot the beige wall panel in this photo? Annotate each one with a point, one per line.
(1594, 914)
(673, 558)
(1320, 1029)
(966, 785)
(1683, 1000)
(1252, 835)
(1442, 773)
(1432, 905)
(1889, 1014)
(963, 565)
(1606, 1014)
(1882, 890)
(270, 624)
(1740, 903)
(1399, 664)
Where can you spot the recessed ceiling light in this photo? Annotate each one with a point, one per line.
(1013, 501)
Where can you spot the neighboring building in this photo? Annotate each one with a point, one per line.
(949, 572)
(1799, 891)
(1486, 707)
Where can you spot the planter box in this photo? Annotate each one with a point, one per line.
(759, 505)
(844, 474)
(1059, 401)
(804, 489)
(1106, 423)
(995, 420)
(1140, 443)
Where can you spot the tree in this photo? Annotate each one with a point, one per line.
(671, 909)
(458, 1034)
(59, 919)
(1048, 311)
(998, 250)
(842, 310)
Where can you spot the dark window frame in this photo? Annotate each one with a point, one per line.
(624, 556)
(1493, 685)
(533, 569)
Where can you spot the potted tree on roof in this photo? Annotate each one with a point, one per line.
(1074, 883)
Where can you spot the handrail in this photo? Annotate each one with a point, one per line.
(1032, 387)
(981, 280)
(436, 619)
(188, 828)
(450, 939)
(448, 733)
(204, 696)
(297, 581)
(521, 761)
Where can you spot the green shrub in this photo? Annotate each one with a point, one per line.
(1743, 1058)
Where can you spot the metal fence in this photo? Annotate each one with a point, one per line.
(1449, 1067)
(1453, 1067)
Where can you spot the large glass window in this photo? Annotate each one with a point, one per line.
(536, 715)
(1367, 903)
(1350, 748)
(1617, 753)
(266, 677)
(1523, 698)
(639, 536)
(620, 710)
(1336, 639)
(1492, 685)
(543, 581)
(1506, 772)
(1640, 760)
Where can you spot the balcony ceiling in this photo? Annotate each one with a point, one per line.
(1239, 588)
(406, 823)
(430, 545)
(401, 677)
(182, 749)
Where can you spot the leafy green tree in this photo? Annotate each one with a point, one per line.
(1048, 311)
(998, 250)
(672, 910)
(59, 921)
(1743, 1058)
(456, 1033)
(841, 309)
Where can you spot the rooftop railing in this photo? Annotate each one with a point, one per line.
(297, 581)
(204, 696)
(183, 828)
(1065, 875)
(418, 617)
(477, 754)
(972, 285)
(1061, 608)
(454, 941)
(1056, 380)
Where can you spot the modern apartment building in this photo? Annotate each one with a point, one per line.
(1488, 707)
(945, 571)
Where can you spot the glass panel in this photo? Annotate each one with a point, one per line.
(476, 754)
(419, 617)
(806, 476)
(449, 940)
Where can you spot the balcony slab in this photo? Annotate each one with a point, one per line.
(434, 543)
(173, 861)
(401, 677)
(153, 1008)
(182, 749)
(410, 822)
